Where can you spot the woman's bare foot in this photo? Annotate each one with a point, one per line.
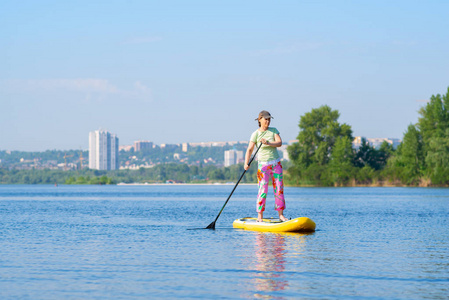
(260, 217)
(281, 216)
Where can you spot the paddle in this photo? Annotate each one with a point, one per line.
(212, 225)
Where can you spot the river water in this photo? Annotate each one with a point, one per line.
(133, 242)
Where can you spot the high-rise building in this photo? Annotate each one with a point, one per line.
(103, 150)
(232, 157)
(284, 152)
(229, 158)
(239, 157)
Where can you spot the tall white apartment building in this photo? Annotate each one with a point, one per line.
(283, 150)
(103, 150)
(229, 158)
(232, 157)
(239, 157)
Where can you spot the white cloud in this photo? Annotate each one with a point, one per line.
(139, 91)
(78, 85)
(138, 86)
(92, 89)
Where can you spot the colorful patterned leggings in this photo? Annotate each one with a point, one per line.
(264, 173)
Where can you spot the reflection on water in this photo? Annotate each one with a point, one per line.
(270, 262)
(271, 253)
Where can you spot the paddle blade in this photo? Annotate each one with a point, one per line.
(211, 226)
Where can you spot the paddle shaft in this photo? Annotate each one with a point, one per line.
(212, 225)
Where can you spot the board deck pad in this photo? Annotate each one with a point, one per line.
(301, 224)
(265, 220)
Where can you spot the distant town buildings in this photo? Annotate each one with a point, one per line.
(216, 144)
(184, 146)
(125, 148)
(375, 142)
(103, 150)
(239, 158)
(284, 152)
(142, 145)
(232, 157)
(103, 154)
(169, 146)
(357, 142)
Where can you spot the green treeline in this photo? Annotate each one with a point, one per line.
(324, 154)
(157, 174)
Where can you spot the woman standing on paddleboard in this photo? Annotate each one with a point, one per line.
(269, 164)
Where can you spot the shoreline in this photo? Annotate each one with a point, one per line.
(286, 185)
(169, 184)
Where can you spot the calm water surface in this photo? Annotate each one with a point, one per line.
(132, 242)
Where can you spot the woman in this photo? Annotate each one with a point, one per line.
(269, 164)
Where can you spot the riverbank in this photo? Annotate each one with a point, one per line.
(182, 183)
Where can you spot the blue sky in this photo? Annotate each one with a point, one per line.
(192, 71)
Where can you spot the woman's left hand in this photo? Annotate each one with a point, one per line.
(264, 141)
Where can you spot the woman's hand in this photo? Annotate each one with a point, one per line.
(276, 143)
(264, 141)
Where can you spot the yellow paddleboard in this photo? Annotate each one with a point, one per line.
(302, 224)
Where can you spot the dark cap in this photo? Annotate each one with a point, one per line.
(264, 114)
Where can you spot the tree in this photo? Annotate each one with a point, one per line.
(408, 164)
(319, 131)
(216, 174)
(437, 159)
(366, 155)
(434, 118)
(341, 164)
(433, 125)
(385, 151)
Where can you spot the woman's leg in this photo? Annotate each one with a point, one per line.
(278, 187)
(263, 175)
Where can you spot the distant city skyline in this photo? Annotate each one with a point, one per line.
(376, 142)
(192, 71)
